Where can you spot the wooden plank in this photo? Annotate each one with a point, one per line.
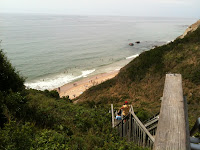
(113, 117)
(122, 128)
(130, 128)
(152, 121)
(134, 130)
(144, 139)
(171, 131)
(151, 128)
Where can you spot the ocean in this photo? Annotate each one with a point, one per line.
(52, 50)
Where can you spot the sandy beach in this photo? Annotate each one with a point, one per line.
(74, 89)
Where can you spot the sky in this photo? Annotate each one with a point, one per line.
(158, 8)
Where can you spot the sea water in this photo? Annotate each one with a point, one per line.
(52, 50)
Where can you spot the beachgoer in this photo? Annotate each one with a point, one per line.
(118, 117)
(58, 89)
(125, 109)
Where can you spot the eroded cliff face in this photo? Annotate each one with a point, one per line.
(191, 28)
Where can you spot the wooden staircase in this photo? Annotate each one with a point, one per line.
(168, 130)
(134, 130)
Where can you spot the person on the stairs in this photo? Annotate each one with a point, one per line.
(125, 109)
(118, 117)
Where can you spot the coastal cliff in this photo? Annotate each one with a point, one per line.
(191, 28)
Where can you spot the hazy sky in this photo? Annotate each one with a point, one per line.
(167, 8)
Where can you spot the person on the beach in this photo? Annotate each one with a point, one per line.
(125, 109)
(118, 117)
(59, 89)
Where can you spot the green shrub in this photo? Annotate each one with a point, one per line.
(142, 114)
(67, 99)
(53, 94)
(16, 137)
(15, 103)
(9, 78)
(48, 139)
(3, 118)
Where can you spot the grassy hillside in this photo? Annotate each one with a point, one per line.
(31, 119)
(141, 82)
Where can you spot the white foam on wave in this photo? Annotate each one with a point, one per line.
(170, 41)
(117, 69)
(133, 56)
(57, 81)
(87, 72)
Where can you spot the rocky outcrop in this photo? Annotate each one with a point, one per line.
(131, 44)
(137, 42)
(191, 28)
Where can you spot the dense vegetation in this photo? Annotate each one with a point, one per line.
(141, 82)
(32, 119)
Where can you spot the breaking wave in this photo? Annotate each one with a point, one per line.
(56, 81)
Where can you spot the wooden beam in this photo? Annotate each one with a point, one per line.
(172, 132)
(113, 117)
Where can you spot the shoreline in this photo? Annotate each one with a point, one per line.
(76, 88)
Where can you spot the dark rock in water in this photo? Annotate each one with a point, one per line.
(137, 42)
(131, 44)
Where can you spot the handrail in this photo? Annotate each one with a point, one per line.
(195, 128)
(155, 119)
(141, 124)
(148, 120)
(194, 142)
(132, 128)
(172, 130)
(152, 127)
(143, 127)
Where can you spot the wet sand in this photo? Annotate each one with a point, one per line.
(74, 89)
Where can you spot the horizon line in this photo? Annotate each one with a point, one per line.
(96, 15)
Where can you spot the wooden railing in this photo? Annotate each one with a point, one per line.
(173, 130)
(134, 130)
(195, 141)
(151, 125)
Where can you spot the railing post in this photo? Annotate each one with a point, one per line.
(122, 128)
(144, 138)
(113, 117)
(187, 123)
(130, 127)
